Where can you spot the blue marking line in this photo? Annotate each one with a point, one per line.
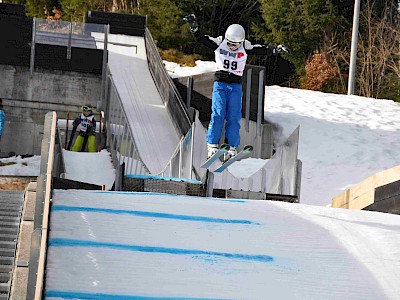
(101, 296)
(60, 242)
(148, 214)
(140, 176)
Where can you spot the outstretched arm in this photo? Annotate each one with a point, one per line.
(264, 49)
(206, 40)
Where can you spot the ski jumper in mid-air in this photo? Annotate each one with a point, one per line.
(87, 130)
(230, 56)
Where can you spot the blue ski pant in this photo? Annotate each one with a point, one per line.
(226, 106)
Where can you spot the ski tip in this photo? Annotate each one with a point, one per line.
(248, 148)
(224, 147)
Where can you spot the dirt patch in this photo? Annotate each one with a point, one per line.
(15, 183)
(2, 164)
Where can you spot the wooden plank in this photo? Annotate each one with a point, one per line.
(362, 194)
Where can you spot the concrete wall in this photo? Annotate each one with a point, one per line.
(27, 99)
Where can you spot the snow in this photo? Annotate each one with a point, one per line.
(114, 245)
(95, 168)
(343, 139)
(157, 246)
(19, 166)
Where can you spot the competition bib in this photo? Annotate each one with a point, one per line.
(85, 122)
(231, 61)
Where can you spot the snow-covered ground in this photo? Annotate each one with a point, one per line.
(110, 245)
(343, 139)
(120, 245)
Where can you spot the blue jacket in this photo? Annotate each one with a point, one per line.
(2, 119)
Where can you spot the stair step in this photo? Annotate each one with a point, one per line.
(12, 231)
(8, 237)
(10, 219)
(11, 209)
(5, 269)
(5, 277)
(7, 245)
(7, 261)
(15, 214)
(7, 252)
(4, 223)
(4, 287)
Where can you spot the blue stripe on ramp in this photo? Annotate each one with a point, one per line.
(149, 214)
(60, 242)
(101, 296)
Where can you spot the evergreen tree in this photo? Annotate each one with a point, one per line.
(164, 20)
(74, 10)
(41, 8)
(299, 24)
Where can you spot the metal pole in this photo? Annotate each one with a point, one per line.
(248, 93)
(189, 91)
(33, 42)
(210, 184)
(180, 159)
(69, 41)
(260, 109)
(354, 41)
(192, 146)
(104, 68)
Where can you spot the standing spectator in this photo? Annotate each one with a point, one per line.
(2, 118)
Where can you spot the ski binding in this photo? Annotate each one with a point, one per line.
(246, 150)
(222, 149)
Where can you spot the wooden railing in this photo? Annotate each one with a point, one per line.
(362, 194)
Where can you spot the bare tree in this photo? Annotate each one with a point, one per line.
(378, 57)
(378, 50)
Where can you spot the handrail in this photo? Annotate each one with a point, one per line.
(166, 87)
(130, 133)
(42, 209)
(121, 140)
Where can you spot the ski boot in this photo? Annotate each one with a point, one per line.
(230, 153)
(212, 149)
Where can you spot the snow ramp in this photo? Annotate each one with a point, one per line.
(154, 133)
(120, 245)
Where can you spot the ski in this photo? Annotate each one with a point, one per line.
(84, 142)
(72, 137)
(223, 149)
(246, 150)
(66, 131)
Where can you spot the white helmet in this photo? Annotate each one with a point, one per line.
(235, 33)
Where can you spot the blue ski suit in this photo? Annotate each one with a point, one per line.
(2, 120)
(227, 91)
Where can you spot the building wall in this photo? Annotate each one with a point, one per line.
(27, 99)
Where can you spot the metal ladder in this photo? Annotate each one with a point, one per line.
(11, 204)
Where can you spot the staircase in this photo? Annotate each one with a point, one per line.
(11, 203)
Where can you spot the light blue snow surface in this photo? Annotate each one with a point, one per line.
(106, 245)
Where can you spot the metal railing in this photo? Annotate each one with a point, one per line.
(121, 143)
(120, 138)
(280, 175)
(166, 87)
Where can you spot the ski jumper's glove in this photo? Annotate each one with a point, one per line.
(193, 24)
(76, 122)
(282, 49)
